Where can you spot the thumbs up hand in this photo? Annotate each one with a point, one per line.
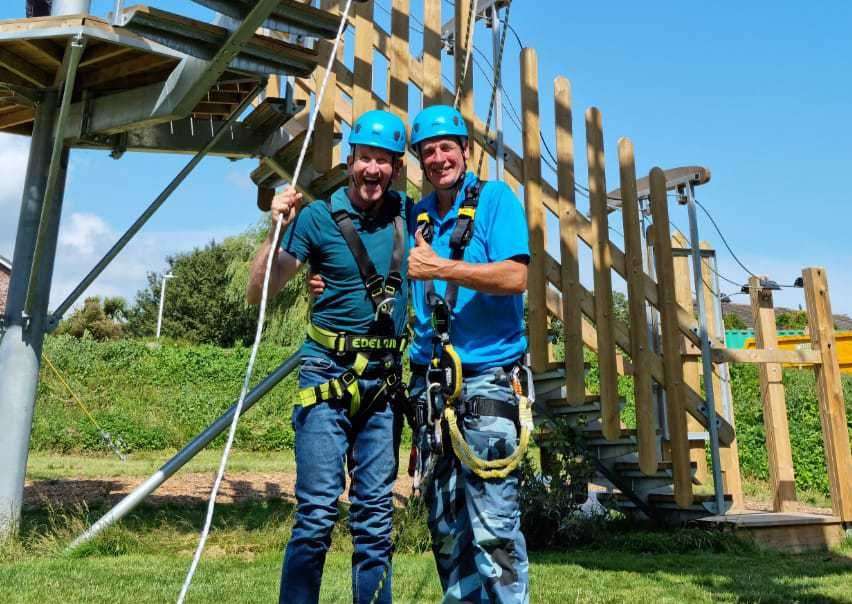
(423, 262)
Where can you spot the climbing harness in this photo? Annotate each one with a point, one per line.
(445, 373)
(380, 339)
(211, 504)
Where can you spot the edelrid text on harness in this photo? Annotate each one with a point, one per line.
(445, 372)
(381, 340)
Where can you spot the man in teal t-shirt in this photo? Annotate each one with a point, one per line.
(350, 371)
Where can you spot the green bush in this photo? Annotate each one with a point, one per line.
(154, 397)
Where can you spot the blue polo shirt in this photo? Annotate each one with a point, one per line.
(315, 238)
(486, 330)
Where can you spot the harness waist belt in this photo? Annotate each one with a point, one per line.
(488, 407)
(467, 371)
(341, 342)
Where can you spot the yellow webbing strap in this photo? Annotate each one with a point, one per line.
(335, 341)
(336, 388)
(496, 468)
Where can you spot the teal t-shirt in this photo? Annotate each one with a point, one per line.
(315, 238)
(486, 330)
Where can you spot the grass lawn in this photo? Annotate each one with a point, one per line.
(144, 559)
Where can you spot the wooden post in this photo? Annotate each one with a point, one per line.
(729, 454)
(323, 144)
(399, 71)
(432, 87)
(362, 81)
(671, 339)
(646, 421)
(832, 410)
(691, 364)
(782, 480)
(536, 280)
(572, 317)
(602, 261)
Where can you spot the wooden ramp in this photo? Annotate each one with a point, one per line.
(785, 531)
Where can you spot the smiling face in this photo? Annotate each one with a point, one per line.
(444, 160)
(371, 171)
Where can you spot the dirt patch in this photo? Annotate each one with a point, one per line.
(183, 489)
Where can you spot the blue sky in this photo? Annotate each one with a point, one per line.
(758, 92)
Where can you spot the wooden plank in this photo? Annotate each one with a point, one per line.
(398, 71)
(124, 69)
(362, 81)
(832, 410)
(775, 356)
(671, 336)
(536, 280)
(572, 317)
(431, 74)
(782, 481)
(602, 261)
(323, 154)
(25, 69)
(16, 118)
(48, 52)
(693, 402)
(646, 419)
(729, 454)
(103, 52)
(691, 364)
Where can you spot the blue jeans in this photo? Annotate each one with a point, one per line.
(328, 442)
(480, 552)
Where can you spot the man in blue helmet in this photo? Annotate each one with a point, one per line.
(350, 373)
(468, 267)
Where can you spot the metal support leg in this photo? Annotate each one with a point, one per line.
(183, 456)
(496, 32)
(20, 348)
(707, 361)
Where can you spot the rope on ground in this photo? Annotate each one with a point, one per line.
(211, 504)
(105, 436)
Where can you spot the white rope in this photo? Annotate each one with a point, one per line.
(211, 504)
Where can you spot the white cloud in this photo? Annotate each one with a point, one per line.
(82, 233)
(14, 151)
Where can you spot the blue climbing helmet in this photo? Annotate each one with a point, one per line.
(437, 120)
(380, 129)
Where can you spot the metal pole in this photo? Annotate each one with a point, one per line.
(162, 300)
(20, 346)
(724, 369)
(496, 28)
(70, 7)
(73, 55)
(149, 211)
(186, 454)
(706, 360)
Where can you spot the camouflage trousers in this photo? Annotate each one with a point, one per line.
(480, 552)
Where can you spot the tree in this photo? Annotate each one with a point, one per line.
(205, 301)
(102, 321)
(794, 319)
(733, 321)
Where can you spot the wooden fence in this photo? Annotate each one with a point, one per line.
(664, 360)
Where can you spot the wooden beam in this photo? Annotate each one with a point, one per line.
(729, 453)
(431, 75)
(16, 118)
(646, 419)
(46, 50)
(103, 52)
(691, 364)
(671, 336)
(782, 481)
(124, 69)
(362, 93)
(774, 356)
(572, 317)
(602, 261)
(398, 71)
(323, 148)
(24, 69)
(832, 409)
(536, 280)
